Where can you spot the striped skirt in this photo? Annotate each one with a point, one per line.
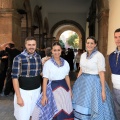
(87, 100)
(59, 106)
(63, 100)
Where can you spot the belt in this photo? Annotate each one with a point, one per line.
(29, 83)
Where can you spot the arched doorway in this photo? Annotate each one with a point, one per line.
(61, 26)
(64, 28)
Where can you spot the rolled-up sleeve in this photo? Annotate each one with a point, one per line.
(101, 63)
(67, 68)
(16, 67)
(46, 72)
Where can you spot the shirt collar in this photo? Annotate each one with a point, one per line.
(28, 54)
(54, 62)
(92, 54)
(117, 51)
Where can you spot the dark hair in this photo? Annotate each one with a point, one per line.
(11, 45)
(42, 47)
(93, 38)
(80, 50)
(56, 43)
(30, 38)
(48, 51)
(117, 30)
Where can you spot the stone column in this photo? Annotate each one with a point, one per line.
(16, 29)
(103, 30)
(87, 29)
(23, 36)
(103, 16)
(10, 23)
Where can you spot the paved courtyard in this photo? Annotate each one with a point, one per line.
(6, 108)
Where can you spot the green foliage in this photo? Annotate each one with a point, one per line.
(62, 43)
(73, 41)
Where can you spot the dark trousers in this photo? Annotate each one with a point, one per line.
(77, 65)
(8, 85)
(2, 79)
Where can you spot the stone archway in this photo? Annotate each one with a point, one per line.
(69, 27)
(64, 28)
(71, 23)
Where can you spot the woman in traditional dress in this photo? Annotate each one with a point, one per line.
(55, 102)
(91, 95)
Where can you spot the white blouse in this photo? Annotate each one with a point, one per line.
(52, 72)
(93, 65)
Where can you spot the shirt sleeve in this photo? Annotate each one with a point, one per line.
(16, 67)
(101, 62)
(46, 71)
(68, 68)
